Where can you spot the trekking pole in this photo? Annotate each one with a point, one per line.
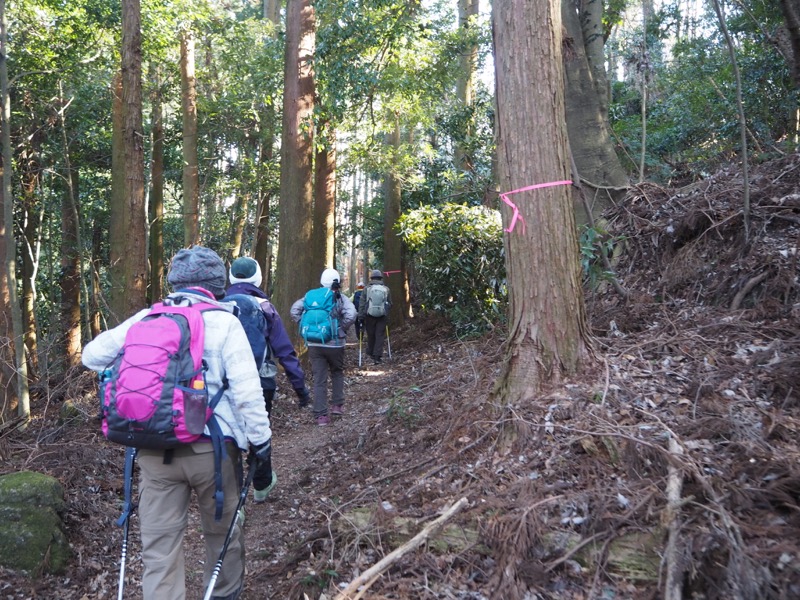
(360, 336)
(242, 497)
(388, 341)
(125, 519)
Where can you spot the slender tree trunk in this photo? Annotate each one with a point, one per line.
(33, 211)
(296, 272)
(264, 242)
(135, 259)
(467, 12)
(70, 278)
(325, 200)
(548, 333)
(237, 226)
(392, 243)
(119, 218)
(644, 72)
(156, 205)
(7, 233)
(96, 295)
(191, 183)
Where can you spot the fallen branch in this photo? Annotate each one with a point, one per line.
(368, 577)
(748, 287)
(672, 555)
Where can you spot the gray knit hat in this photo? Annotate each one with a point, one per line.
(376, 274)
(198, 267)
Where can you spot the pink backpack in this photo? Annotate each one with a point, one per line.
(144, 390)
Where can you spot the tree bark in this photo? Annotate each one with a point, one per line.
(587, 121)
(296, 272)
(21, 397)
(237, 226)
(325, 200)
(135, 258)
(119, 218)
(156, 205)
(191, 183)
(791, 17)
(467, 12)
(33, 211)
(590, 14)
(392, 242)
(548, 333)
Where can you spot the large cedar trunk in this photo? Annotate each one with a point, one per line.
(191, 182)
(587, 121)
(548, 335)
(296, 272)
(325, 200)
(135, 258)
(392, 242)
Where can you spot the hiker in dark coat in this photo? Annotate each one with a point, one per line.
(245, 277)
(359, 325)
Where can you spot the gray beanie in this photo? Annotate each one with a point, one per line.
(198, 267)
(376, 274)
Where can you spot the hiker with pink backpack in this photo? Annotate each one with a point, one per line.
(157, 364)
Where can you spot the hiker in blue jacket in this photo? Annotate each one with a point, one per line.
(245, 277)
(329, 355)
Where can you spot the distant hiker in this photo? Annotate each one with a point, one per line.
(245, 277)
(167, 477)
(373, 308)
(359, 326)
(324, 315)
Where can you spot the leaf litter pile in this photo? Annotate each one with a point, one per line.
(669, 468)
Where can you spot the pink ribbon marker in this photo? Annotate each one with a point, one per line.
(388, 273)
(516, 214)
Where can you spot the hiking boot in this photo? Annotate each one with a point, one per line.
(376, 360)
(260, 496)
(323, 420)
(337, 410)
(232, 596)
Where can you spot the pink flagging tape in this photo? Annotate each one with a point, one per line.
(516, 216)
(388, 273)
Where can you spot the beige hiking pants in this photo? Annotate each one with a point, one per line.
(164, 495)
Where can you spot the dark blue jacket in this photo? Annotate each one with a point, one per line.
(277, 338)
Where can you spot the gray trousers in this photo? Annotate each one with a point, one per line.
(164, 494)
(323, 360)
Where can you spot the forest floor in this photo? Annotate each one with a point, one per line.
(673, 458)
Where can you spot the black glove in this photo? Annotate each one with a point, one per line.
(302, 396)
(260, 454)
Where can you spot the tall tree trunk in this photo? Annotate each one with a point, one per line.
(70, 279)
(587, 121)
(156, 205)
(237, 226)
(264, 243)
(791, 17)
(272, 11)
(119, 218)
(21, 397)
(548, 333)
(590, 14)
(191, 182)
(392, 243)
(32, 212)
(296, 272)
(96, 294)
(135, 258)
(325, 199)
(467, 13)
